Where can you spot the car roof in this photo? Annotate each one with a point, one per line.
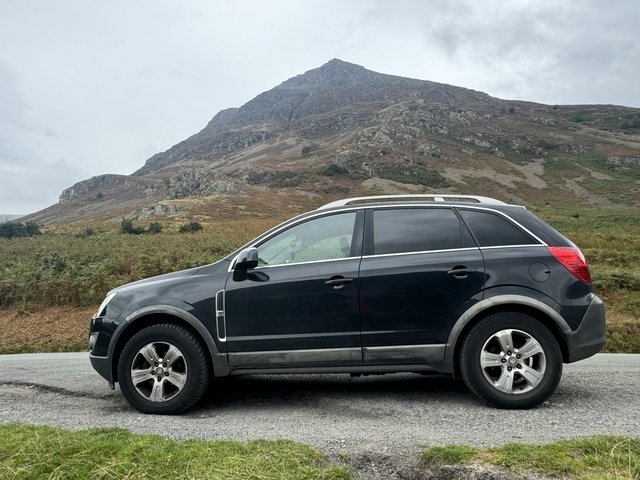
(428, 198)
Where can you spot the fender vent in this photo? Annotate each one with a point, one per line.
(220, 321)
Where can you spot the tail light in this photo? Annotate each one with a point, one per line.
(573, 260)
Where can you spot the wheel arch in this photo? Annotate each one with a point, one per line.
(149, 316)
(506, 303)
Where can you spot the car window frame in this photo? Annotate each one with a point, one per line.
(535, 240)
(467, 243)
(356, 238)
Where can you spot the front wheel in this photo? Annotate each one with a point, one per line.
(163, 369)
(511, 361)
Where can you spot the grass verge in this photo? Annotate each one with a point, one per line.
(37, 452)
(52, 329)
(602, 457)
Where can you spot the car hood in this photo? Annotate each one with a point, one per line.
(157, 279)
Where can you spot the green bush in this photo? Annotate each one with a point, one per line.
(87, 232)
(335, 169)
(18, 229)
(155, 227)
(127, 226)
(608, 280)
(190, 227)
(286, 178)
(413, 175)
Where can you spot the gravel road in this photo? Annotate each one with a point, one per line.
(391, 414)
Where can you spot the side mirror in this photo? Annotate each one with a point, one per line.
(248, 258)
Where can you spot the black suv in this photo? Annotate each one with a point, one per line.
(453, 284)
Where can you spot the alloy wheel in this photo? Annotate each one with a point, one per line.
(513, 361)
(159, 371)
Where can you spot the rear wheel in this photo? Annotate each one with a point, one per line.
(511, 360)
(163, 369)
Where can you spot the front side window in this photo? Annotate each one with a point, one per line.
(415, 230)
(324, 238)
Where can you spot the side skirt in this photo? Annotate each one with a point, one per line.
(429, 354)
(319, 356)
(339, 369)
(390, 359)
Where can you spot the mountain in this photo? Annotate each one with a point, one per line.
(342, 130)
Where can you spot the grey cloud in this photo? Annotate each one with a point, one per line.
(28, 181)
(23, 191)
(551, 51)
(16, 135)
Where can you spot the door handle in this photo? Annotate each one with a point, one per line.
(460, 271)
(338, 281)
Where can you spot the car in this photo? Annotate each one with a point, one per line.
(459, 285)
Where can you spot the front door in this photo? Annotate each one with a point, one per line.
(299, 307)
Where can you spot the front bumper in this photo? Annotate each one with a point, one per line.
(589, 338)
(100, 335)
(102, 365)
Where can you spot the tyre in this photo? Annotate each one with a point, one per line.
(511, 360)
(163, 369)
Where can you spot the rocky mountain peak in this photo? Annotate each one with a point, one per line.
(335, 73)
(315, 91)
(334, 85)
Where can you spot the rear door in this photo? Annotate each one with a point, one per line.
(420, 270)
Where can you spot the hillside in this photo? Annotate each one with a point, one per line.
(342, 130)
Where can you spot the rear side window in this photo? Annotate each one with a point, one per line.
(415, 230)
(493, 230)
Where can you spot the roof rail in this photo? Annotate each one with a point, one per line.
(436, 197)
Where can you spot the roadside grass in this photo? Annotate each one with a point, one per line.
(601, 457)
(29, 452)
(65, 273)
(50, 329)
(449, 455)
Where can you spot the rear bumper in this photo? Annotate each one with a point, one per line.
(589, 338)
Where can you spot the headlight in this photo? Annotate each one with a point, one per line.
(104, 304)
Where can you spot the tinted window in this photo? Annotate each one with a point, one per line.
(415, 230)
(322, 238)
(492, 230)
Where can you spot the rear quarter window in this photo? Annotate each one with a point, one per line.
(492, 229)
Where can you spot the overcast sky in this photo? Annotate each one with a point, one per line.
(90, 87)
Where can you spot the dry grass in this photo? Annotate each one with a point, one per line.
(53, 329)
